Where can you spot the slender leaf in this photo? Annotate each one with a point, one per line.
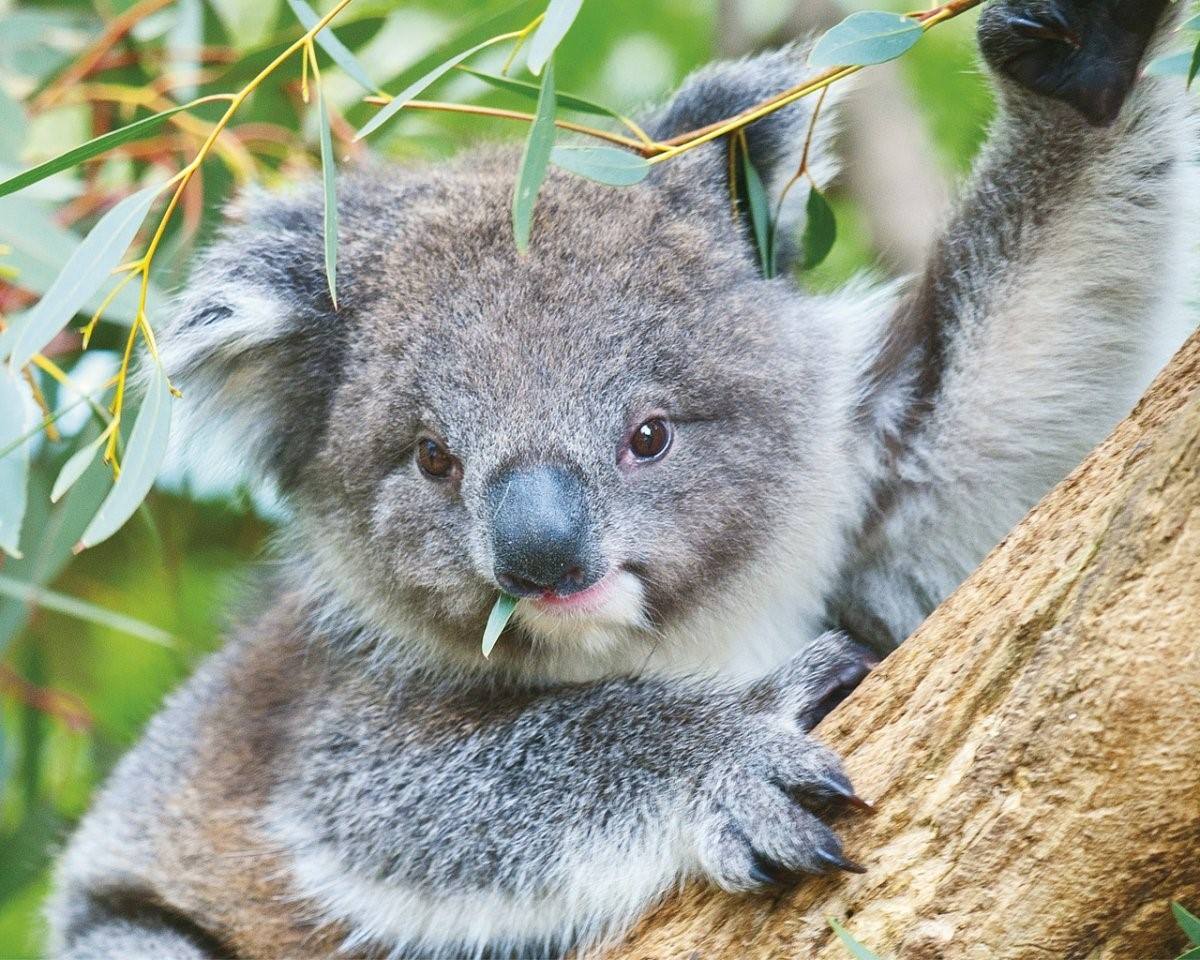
(560, 14)
(184, 41)
(143, 456)
(14, 468)
(106, 141)
(759, 207)
(1192, 23)
(869, 36)
(84, 273)
(820, 230)
(328, 177)
(1190, 954)
(497, 621)
(534, 161)
(76, 466)
(1194, 66)
(1188, 922)
(396, 104)
(857, 950)
(1169, 65)
(531, 91)
(38, 596)
(610, 165)
(337, 50)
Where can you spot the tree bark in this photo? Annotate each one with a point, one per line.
(1033, 749)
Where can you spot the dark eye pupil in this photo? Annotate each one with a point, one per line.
(650, 439)
(433, 458)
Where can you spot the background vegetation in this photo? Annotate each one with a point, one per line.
(83, 666)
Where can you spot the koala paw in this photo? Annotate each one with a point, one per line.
(1085, 53)
(759, 824)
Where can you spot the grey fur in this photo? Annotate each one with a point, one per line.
(350, 771)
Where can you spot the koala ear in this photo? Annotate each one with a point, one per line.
(776, 142)
(254, 342)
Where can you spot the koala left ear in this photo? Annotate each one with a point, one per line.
(776, 142)
(254, 342)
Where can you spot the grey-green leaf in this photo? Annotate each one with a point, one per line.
(534, 161)
(869, 36)
(396, 104)
(1188, 922)
(337, 50)
(1194, 66)
(38, 596)
(75, 467)
(328, 177)
(14, 467)
(856, 949)
(760, 214)
(820, 230)
(76, 155)
(497, 621)
(531, 91)
(560, 14)
(143, 456)
(1169, 65)
(610, 165)
(89, 267)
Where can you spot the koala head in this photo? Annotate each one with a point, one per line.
(623, 427)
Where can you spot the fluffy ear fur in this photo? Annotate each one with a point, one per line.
(254, 342)
(722, 90)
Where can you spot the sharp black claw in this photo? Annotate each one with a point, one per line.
(768, 873)
(835, 859)
(1057, 29)
(838, 785)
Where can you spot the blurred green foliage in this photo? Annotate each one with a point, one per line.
(187, 561)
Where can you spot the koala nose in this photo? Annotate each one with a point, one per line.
(539, 530)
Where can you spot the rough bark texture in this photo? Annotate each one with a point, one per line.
(1034, 749)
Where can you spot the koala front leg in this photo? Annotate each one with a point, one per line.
(1055, 293)
(534, 822)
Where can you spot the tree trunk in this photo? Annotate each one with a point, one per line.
(1033, 749)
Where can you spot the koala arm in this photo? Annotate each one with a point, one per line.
(443, 820)
(1047, 304)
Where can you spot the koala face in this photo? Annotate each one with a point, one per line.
(615, 427)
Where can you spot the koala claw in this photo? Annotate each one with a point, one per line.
(838, 785)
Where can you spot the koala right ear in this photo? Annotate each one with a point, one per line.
(254, 342)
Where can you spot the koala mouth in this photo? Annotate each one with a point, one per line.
(590, 600)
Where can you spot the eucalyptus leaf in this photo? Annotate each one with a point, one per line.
(820, 230)
(88, 269)
(857, 950)
(76, 155)
(1188, 922)
(759, 207)
(1192, 954)
(184, 40)
(610, 165)
(532, 90)
(1194, 66)
(76, 466)
(14, 468)
(338, 51)
(869, 36)
(560, 14)
(143, 457)
(535, 159)
(1169, 65)
(1192, 23)
(497, 621)
(328, 179)
(396, 104)
(37, 596)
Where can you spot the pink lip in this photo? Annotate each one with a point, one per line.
(590, 599)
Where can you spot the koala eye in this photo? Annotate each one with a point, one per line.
(651, 439)
(434, 459)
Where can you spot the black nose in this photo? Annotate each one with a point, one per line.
(539, 530)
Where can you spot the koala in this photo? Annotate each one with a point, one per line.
(718, 500)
